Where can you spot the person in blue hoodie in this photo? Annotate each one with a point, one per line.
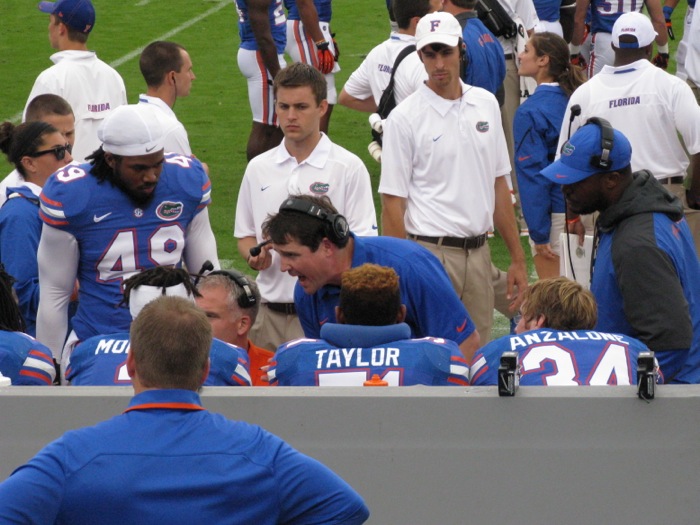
(645, 270)
(536, 129)
(36, 149)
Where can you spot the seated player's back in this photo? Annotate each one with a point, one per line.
(101, 361)
(24, 360)
(560, 358)
(403, 362)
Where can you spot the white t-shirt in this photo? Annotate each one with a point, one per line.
(90, 86)
(175, 136)
(650, 107)
(372, 77)
(272, 176)
(443, 156)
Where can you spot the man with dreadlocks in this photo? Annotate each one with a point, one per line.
(101, 360)
(23, 359)
(129, 209)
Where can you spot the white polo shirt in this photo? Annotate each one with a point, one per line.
(91, 87)
(274, 175)
(372, 77)
(443, 156)
(175, 136)
(650, 107)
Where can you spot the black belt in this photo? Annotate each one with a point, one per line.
(672, 180)
(469, 243)
(282, 308)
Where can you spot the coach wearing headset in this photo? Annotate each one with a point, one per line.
(231, 301)
(315, 245)
(645, 272)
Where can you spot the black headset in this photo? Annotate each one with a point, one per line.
(335, 225)
(247, 299)
(607, 134)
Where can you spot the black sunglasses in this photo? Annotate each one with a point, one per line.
(59, 151)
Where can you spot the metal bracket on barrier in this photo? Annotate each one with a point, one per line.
(647, 372)
(508, 374)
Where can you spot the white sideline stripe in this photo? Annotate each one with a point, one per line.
(136, 52)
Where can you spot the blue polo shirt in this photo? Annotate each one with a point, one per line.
(433, 308)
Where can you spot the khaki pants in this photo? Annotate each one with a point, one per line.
(271, 329)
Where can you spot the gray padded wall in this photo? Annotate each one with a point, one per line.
(556, 455)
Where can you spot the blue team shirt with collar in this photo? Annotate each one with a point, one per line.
(433, 308)
(278, 26)
(118, 238)
(486, 66)
(168, 460)
(101, 361)
(348, 355)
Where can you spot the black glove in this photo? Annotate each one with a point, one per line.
(335, 46)
(661, 60)
(668, 11)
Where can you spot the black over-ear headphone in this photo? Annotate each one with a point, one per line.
(607, 135)
(335, 225)
(247, 298)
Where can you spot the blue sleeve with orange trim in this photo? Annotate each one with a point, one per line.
(229, 365)
(25, 360)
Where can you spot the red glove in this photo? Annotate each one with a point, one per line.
(661, 60)
(335, 46)
(325, 57)
(578, 60)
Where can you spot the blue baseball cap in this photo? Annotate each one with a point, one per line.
(574, 164)
(76, 14)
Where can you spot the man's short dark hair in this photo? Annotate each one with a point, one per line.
(74, 35)
(158, 59)
(47, 104)
(289, 225)
(465, 4)
(405, 10)
(300, 75)
(170, 343)
(162, 276)
(370, 295)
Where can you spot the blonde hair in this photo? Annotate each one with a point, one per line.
(565, 304)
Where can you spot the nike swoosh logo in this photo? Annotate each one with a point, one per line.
(375, 227)
(323, 321)
(435, 139)
(98, 219)
(461, 328)
(520, 159)
(148, 150)
(264, 187)
(560, 176)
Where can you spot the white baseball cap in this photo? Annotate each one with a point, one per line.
(131, 130)
(438, 28)
(637, 25)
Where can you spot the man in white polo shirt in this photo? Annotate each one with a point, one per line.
(306, 162)
(443, 173)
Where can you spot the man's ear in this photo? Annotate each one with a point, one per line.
(540, 322)
(339, 315)
(401, 315)
(244, 325)
(110, 160)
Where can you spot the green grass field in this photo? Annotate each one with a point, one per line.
(216, 114)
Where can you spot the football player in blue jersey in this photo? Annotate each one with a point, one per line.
(556, 342)
(23, 360)
(101, 360)
(129, 209)
(369, 339)
(262, 28)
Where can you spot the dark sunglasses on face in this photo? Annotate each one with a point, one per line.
(59, 151)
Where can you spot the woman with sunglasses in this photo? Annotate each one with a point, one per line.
(36, 149)
(536, 134)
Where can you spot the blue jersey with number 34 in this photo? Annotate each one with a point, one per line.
(118, 238)
(553, 357)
